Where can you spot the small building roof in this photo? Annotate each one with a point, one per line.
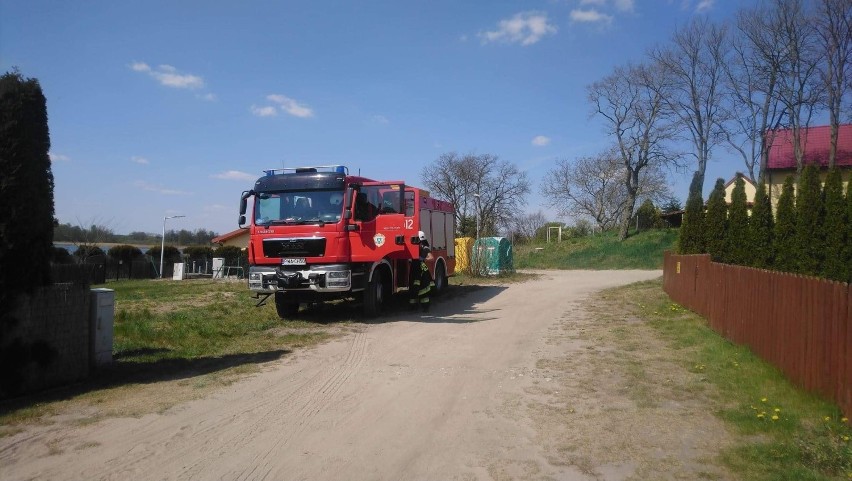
(230, 235)
(815, 143)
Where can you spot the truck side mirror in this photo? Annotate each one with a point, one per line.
(242, 220)
(244, 202)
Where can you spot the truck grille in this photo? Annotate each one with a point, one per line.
(297, 247)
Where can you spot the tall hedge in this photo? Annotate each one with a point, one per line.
(26, 188)
(760, 228)
(739, 248)
(810, 236)
(716, 223)
(848, 255)
(691, 239)
(784, 235)
(835, 265)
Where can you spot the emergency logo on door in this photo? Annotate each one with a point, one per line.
(379, 239)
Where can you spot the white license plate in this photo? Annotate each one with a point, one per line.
(293, 261)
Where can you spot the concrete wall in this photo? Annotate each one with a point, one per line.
(48, 345)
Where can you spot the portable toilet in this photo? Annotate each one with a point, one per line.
(463, 247)
(493, 255)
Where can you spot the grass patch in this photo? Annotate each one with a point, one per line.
(785, 433)
(600, 251)
(173, 341)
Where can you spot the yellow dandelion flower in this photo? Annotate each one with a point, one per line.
(846, 438)
(844, 420)
(774, 417)
(760, 415)
(763, 399)
(777, 410)
(827, 418)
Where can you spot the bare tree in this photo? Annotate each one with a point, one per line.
(693, 65)
(593, 187)
(834, 26)
(483, 186)
(800, 89)
(631, 102)
(525, 226)
(752, 75)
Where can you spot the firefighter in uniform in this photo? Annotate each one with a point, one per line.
(421, 280)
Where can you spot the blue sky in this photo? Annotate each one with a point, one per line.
(174, 107)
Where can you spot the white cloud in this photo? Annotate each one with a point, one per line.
(380, 119)
(54, 157)
(169, 76)
(599, 3)
(141, 184)
(625, 5)
(704, 5)
(207, 97)
(234, 175)
(540, 140)
(291, 106)
(589, 16)
(525, 28)
(139, 160)
(265, 111)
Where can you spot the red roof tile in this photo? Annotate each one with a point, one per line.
(816, 141)
(230, 235)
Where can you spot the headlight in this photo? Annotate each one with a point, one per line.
(255, 276)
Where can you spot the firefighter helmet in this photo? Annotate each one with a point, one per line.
(421, 235)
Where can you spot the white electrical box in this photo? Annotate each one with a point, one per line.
(218, 264)
(101, 317)
(178, 272)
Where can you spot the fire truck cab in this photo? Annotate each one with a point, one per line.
(318, 233)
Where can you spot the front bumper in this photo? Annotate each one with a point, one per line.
(317, 278)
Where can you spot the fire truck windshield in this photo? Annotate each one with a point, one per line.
(299, 207)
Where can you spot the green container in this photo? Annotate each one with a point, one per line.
(493, 255)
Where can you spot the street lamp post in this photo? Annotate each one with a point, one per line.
(163, 242)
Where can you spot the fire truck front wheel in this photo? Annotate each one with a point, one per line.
(286, 306)
(374, 295)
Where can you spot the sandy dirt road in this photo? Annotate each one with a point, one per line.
(463, 393)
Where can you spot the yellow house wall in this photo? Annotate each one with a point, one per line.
(775, 182)
(240, 241)
(750, 191)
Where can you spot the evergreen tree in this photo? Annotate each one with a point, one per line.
(810, 212)
(848, 254)
(716, 223)
(691, 239)
(835, 265)
(739, 248)
(784, 235)
(26, 188)
(760, 229)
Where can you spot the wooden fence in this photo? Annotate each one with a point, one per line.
(802, 325)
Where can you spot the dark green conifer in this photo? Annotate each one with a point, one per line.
(691, 240)
(739, 250)
(784, 235)
(716, 223)
(810, 212)
(760, 229)
(835, 265)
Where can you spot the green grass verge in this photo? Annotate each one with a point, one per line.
(786, 433)
(600, 251)
(157, 320)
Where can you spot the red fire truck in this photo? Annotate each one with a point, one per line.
(318, 233)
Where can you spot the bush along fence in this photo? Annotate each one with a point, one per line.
(800, 324)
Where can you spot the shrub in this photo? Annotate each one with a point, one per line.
(85, 251)
(61, 256)
(124, 253)
(198, 253)
(810, 236)
(26, 190)
(760, 229)
(234, 256)
(171, 254)
(691, 239)
(716, 222)
(739, 249)
(784, 235)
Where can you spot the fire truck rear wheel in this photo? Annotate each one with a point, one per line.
(440, 279)
(287, 308)
(374, 295)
